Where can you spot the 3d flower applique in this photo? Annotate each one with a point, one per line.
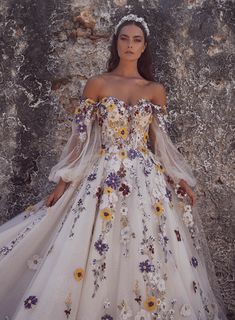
(124, 210)
(146, 136)
(113, 180)
(159, 209)
(107, 304)
(123, 132)
(137, 293)
(185, 310)
(180, 192)
(160, 168)
(107, 317)
(34, 262)
(108, 190)
(132, 153)
(178, 236)
(150, 304)
(29, 211)
(125, 189)
(30, 302)
(101, 247)
(91, 177)
(106, 214)
(122, 154)
(143, 315)
(194, 262)
(78, 274)
(146, 266)
(125, 311)
(121, 172)
(111, 106)
(68, 304)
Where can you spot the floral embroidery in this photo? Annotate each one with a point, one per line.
(178, 236)
(78, 274)
(194, 262)
(125, 311)
(185, 310)
(30, 302)
(68, 304)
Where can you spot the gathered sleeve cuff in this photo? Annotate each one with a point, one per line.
(81, 145)
(173, 161)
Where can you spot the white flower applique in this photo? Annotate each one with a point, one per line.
(125, 311)
(185, 310)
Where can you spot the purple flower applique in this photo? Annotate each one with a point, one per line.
(91, 177)
(113, 180)
(132, 154)
(168, 194)
(30, 302)
(146, 266)
(107, 317)
(101, 247)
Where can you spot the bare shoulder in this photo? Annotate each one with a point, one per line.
(93, 86)
(158, 93)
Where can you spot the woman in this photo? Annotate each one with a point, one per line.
(118, 239)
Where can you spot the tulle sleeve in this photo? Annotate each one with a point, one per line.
(172, 160)
(82, 146)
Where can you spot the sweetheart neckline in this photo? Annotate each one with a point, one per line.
(124, 102)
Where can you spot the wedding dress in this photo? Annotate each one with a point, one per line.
(122, 242)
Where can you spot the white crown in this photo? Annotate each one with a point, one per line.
(133, 17)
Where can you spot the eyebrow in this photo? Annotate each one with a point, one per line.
(125, 35)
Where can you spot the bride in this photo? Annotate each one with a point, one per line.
(119, 237)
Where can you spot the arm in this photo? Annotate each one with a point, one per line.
(77, 152)
(172, 159)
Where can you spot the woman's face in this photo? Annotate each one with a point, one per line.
(130, 43)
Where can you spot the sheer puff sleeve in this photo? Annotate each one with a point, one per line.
(82, 146)
(172, 160)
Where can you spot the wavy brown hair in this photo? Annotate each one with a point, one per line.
(144, 63)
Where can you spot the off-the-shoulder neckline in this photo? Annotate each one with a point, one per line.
(122, 101)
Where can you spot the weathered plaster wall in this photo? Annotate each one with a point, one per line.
(49, 49)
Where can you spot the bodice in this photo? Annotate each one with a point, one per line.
(124, 125)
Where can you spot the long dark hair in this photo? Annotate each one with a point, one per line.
(144, 63)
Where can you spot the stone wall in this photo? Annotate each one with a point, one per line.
(49, 49)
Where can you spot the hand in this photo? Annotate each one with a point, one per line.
(56, 193)
(189, 191)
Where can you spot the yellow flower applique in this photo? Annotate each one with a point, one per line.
(122, 132)
(106, 214)
(122, 154)
(150, 303)
(160, 168)
(108, 190)
(159, 209)
(78, 274)
(111, 107)
(146, 137)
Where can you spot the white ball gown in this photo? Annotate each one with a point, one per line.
(122, 242)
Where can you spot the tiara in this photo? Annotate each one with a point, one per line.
(133, 17)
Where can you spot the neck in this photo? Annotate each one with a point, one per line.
(127, 69)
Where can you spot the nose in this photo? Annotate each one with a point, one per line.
(130, 44)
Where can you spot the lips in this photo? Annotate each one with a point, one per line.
(130, 52)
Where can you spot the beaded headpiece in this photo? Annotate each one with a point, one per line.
(133, 17)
